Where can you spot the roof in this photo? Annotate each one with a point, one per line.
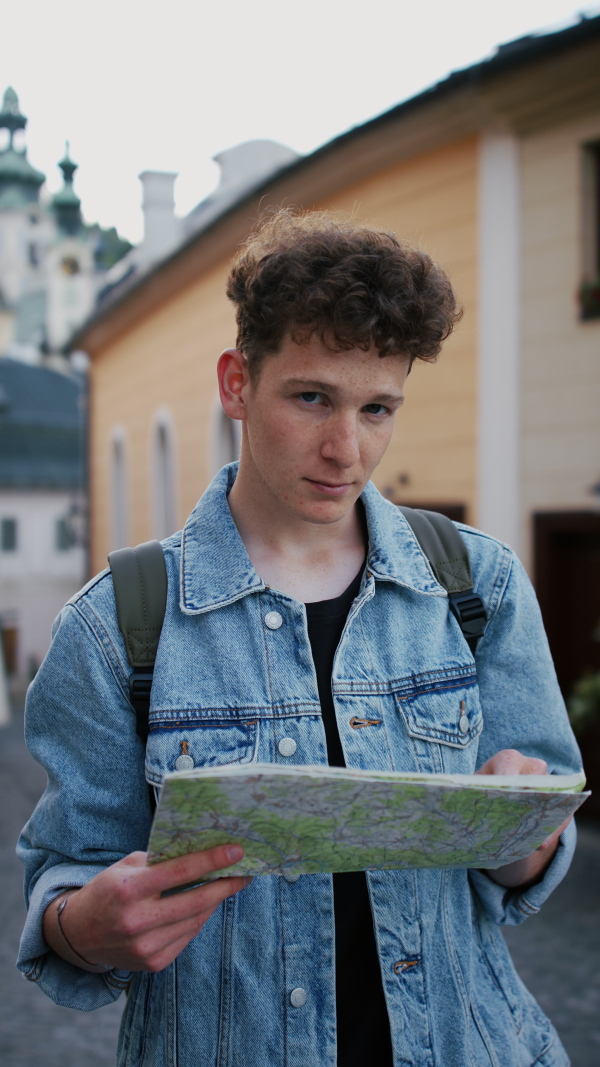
(526, 83)
(41, 432)
(15, 167)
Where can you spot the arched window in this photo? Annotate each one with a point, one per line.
(119, 520)
(164, 518)
(226, 439)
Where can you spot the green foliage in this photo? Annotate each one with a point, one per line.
(584, 703)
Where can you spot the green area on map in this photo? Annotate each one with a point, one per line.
(302, 820)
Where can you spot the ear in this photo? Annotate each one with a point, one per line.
(232, 373)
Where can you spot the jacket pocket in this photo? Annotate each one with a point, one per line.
(445, 709)
(187, 743)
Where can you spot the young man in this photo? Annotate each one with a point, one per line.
(303, 625)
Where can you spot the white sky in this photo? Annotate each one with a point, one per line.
(137, 84)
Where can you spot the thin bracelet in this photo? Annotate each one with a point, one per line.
(94, 968)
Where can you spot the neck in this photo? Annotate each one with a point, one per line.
(306, 560)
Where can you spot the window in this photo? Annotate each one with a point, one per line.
(63, 538)
(8, 535)
(118, 492)
(590, 288)
(163, 480)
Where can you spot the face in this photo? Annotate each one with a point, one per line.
(315, 425)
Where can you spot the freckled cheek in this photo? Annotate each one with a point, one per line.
(373, 449)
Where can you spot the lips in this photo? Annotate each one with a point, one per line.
(330, 488)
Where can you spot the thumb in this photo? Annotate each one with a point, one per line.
(134, 859)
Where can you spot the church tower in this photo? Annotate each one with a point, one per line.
(52, 264)
(21, 228)
(19, 181)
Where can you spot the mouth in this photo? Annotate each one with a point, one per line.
(330, 488)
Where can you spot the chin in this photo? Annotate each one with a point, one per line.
(325, 514)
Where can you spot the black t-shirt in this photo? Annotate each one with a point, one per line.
(363, 1029)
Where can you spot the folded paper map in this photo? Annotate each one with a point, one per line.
(308, 820)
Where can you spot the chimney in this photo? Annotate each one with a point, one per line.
(161, 228)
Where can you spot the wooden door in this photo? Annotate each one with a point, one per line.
(567, 580)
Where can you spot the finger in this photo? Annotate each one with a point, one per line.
(164, 956)
(554, 837)
(194, 867)
(534, 766)
(191, 903)
(134, 859)
(144, 948)
(510, 761)
(503, 762)
(156, 947)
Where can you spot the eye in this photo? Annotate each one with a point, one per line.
(310, 398)
(375, 409)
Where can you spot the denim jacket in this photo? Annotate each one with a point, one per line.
(256, 986)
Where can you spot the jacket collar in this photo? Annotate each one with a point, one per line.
(216, 569)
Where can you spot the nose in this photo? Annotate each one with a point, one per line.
(340, 443)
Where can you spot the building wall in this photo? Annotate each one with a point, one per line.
(431, 202)
(560, 353)
(165, 365)
(37, 578)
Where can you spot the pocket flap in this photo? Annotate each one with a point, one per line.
(449, 713)
(208, 743)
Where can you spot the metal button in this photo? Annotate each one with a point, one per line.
(273, 620)
(292, 876)
(463, 724)
(298, 997)
(184, 763)
(287, 746)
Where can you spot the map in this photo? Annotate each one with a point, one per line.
(307, 820)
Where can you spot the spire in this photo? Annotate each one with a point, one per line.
(67, 166)
(10, 116)
(66, 203)
(19, 181)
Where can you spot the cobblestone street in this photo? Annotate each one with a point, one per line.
(557, 952)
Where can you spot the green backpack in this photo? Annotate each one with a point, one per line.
(140, 584)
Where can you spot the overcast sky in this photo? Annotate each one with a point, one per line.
(136, 84)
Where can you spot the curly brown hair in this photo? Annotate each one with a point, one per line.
(306, 273)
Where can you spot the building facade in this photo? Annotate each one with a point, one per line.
(494, 172)
(42, 507)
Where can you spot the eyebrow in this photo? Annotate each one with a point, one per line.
(310, 385)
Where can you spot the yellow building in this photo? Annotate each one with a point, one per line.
(496, 173)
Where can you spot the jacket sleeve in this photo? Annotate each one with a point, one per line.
(522, 709)
(80, 726)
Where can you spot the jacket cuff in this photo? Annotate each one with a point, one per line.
(63, 982)
(509, 907)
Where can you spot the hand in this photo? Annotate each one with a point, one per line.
(119, 919)
(528, 871)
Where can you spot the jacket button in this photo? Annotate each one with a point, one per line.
(298, 997)
(287, 746)
(273, 620)
(292, 876)
(463, 724)
(184, 763)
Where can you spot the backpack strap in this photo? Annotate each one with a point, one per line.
(140, 584)
(448, 557)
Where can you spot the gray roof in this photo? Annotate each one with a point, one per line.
(42, 439)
